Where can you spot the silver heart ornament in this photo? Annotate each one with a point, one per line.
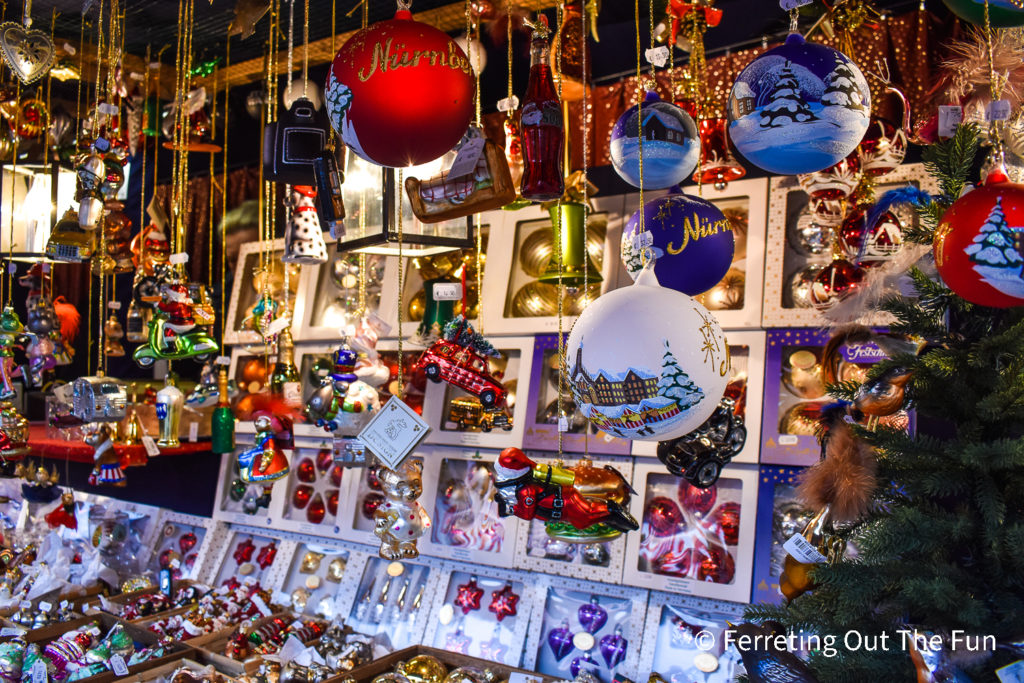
(28, 53)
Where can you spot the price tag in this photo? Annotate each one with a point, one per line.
(803, 551)
(998, 110)
(152, 449)
(467, 158)
(642, 240)
(118, 665)
(281, 598)
(223, 360)
(295, 625)
(393, 433)
(12, 268)
(114, 305)
(608, 438)
(12, 632)
(447, 291)
(64, 604)
(788, 440)
(519, 677)
(193, 431)
(950, 116)
(45, 606)
(136, 76)
(277, 326)
(1011, 673)
(260, 605)
(179, 258)
(658, 56)
(39, 672)
(106, 108)
(70, 49)
(563, 423)
(793, 4)
(508, 104)
(291, 392)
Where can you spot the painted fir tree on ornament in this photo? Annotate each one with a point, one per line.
(994, 253)
(799, 108)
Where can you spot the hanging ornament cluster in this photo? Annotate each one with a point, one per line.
(404, 56)
(666, 381)
(798, 108)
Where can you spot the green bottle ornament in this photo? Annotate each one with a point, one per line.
(223, 427)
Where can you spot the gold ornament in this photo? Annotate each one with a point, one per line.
(311, 562)
(336, 569)
(423, 669)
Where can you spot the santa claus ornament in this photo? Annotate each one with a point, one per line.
(978, 245)
(799, 108)
(419, 63)
(665, 381)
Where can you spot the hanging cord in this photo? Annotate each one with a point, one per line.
(10, 241)
(213, 186)
(401, 286)
(363, 258)
(473, 29)
(224, 198)
(639, 112)
(586, 190)
(560, 257)
(305, 51)
(996, 84)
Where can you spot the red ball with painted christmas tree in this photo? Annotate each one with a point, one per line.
(979, 245)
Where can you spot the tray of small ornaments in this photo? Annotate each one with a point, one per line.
(39, 613)
(97, 649)
(422, 663)
(184, 670)
(256, 638)
(143, 605)
(215, 613)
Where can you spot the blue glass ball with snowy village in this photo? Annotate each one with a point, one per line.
(689, 238)
(665, 380)
(671, 144)
(799, 108)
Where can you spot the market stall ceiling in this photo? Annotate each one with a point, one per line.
(154, 23)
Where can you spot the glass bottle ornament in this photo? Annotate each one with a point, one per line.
(223, 420)
(284, 378)
(170, 403)
(795, 579)
(542, 131)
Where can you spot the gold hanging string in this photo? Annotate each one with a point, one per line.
(473, 29)
(305, 51)
(586, 190)
(99, 70)
(363, 258)
(401, 285)
(145, 109)
(224, 196)
(14, 179)
(81, 73)
(213, 185)
(508, 42)
(639, 112)
(560, 256)
(996, 85)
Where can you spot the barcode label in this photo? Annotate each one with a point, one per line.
(39, 672)
(950, 116)
(803, 551)
(150, 446)
(118, 665)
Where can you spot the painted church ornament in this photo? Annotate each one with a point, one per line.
(671, 144)
(665, 380)
(690, 238)
(799, 108)
(426, 66)
(979, 244)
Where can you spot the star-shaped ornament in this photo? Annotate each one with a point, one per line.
(468, 597)
(503, 602)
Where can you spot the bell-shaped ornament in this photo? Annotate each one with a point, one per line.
(569, 229)
(718, 166)
(304, 239)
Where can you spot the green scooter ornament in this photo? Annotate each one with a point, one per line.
(171, 333)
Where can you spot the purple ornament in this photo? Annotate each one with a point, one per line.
(613, 648)
(592, 616)
(690, 238)
(560, 640)
(584, 663)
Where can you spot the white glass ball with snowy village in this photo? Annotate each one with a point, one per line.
(671, 144)
(658, 382)
(799, 108)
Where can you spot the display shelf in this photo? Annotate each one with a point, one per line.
(313, 491)
(41, 446)
(780, 515)
(182, 537)
(329, 290)
(268, 558)
(244, 293)
(746, 386)
(236, 501)
(314, 577)
(697, 541)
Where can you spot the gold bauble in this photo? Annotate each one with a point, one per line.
(727, 295)
(423, 669)
(417, 305)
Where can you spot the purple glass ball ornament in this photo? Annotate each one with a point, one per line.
(560, 641)
(690, 238)
(613, 648)
(592, 616)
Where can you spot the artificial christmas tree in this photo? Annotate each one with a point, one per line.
(940, 550)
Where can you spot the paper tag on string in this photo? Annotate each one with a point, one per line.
(193, 432)
(393, 433)
(151, 448)
(70, 49)
(997, 111)
(508, 104)
(45, 606)
(276, 326)
(39, 672)
(563, 423)
(136, 76)
(223, 360)
(467, 158)
(12, 268)
(179, 258)
(114, 305)
(803, 551)
(106, 108)
(64, 604)
(447, 291)
(118, 666)
(950, 116)
(658, 56)
(793, 4)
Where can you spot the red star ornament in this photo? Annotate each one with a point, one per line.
(503, 603)
(468, 597)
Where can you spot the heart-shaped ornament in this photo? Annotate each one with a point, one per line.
(592, 616)
(28, 53)
(560, 641)
(187, 541)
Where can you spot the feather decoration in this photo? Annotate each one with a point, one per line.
(880, 282)
(69, 318)
(901, 196)
(846, 477)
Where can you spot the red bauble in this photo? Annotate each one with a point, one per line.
(727, 517)
(332, 503)
(699, 501)
(371, 502)
(371, 478)
(400, 92)
(978, 245)
(674, 563)
(336, 475)
(833, 183)
(835, 282)
(882, 148)
(717, 566)
(884, 239)
(306, 471)
(301, 496)
(317, 510)
(187, 541)
(324, 458)
(663, 516)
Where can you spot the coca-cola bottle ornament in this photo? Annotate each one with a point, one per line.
(542, 133)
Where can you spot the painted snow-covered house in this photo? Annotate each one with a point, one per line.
(743, 100)
(606, 389)
(655, 130)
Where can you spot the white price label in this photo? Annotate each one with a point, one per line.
(45, 606)
(642, 240)
(260, 605)
(295, 625)
(152, 449)
(803, 551)
(64, 604)
(291, 392)
(563, 423)
(281, 598)
(70, 49)
(223, 360)
(658, 56)
(1011, 673)
(793, 4)
(118, 666)
(277, 326)
(519, 677)
(998, 110)
(467, 158)
(447, 291)
(12, 268)
(950, 116)
(25, 604)
(106, 108)
(114, 305)
(508, 104)
(788, 440)
(39, 672)
(12, 632)
(193, 431)
(178, 258)
(136, 76)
